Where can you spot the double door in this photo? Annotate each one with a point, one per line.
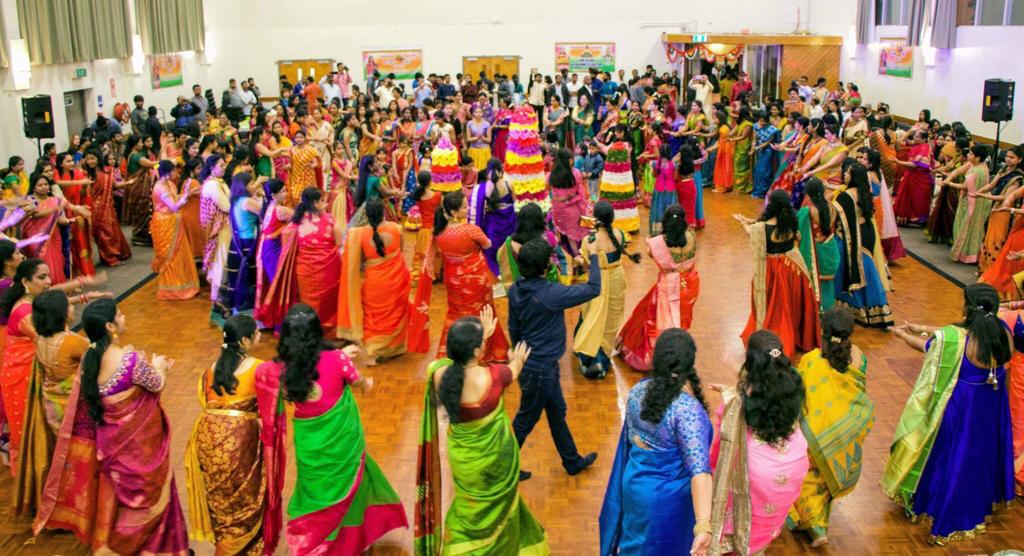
(505, 65)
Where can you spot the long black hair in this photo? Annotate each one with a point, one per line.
(561, 170)
(781, 210)
(374, 216)
(772, 392)
(423, 181)
(50, 313)
(529, 223)
(7, 250)
(95, 318)
(241, 156)
(673, 226)
(464, 337)
(240, 186)
(674, 355)
(836, 329)
(307, 204)
(981, 303)
(490, 174)
(859, 181)
(25, 271)
(236, 328)
(207, 170)
(363, 178)
(604, 217)
(451, 202)
(302, 341)
(815, 191)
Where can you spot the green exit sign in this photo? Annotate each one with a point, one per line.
(702, 38)
(80, 73)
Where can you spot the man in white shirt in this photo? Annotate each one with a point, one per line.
(384, 92)
(330, 88)
(806, 92)
(816, 109)
(248, 99)
(574, 87)
(702, 90)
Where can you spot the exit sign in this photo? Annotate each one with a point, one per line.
(697, 39)
(80, 73)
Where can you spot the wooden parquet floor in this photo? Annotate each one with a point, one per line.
(864, 522)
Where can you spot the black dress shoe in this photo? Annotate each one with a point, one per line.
(524, 476)
(587, 461)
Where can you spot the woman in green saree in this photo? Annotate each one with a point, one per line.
(486, 515)
(817, 224)
(742, 135)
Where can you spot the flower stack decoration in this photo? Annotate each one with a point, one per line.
(617, 187)
(524, 166)
(444, 168)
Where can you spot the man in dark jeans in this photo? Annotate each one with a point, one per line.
(536, 315)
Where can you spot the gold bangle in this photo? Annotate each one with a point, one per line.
(701, 527)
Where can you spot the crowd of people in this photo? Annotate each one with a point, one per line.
(295, 216)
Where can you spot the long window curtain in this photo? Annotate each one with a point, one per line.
(916, 22)
(944, 24)
(5, 58)
(65, 31)
(865, 20)
(167, 26)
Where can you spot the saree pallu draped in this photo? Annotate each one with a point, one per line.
(724, 162)
(15, 375)
(177, 278)
(1000, 273)
(914, 196)
(996, 231)
(837, 417)
(885, 222)
(106, 230)
(594, 337)
(318, 269)
(469, 282)
(821, 259)
(487, 515)
(34, 450)
(972, 213)
(50, 251)
(782, 298)
(668, 304)
(1014, 319)
(80, 231)
(648, 507)
(741, 159)
(224, 468)
(373, 310)
(342, 502)
(939, 228)
(138, 510)
(861, 282)
(731, 512)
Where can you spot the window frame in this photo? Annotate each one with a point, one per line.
(979, 10)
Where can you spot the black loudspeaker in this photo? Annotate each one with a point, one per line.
(37, 114)
(998, 101)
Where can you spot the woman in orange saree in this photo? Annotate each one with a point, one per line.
(378, 322)
(75, 189)
(224, 458)
(723, 160)
(111, 481)
(106, 229)
(467, 278)
(999, 189)
(670, 301)
(192, 189)
(177, 278)
(305, 168)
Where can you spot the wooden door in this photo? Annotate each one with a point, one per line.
(505, 65)
(297, 70)
(473, 65)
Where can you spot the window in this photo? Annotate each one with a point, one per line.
(990, 12)
(892, 12)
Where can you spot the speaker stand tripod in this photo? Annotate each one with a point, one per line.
(994, 159)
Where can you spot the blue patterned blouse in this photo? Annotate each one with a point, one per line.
(684, 426)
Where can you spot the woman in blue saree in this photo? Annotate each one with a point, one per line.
(238, 286)
(491, 208)
(952, 454)
(658, 499)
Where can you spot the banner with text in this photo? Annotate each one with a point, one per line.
(581, 56)
(403, 63)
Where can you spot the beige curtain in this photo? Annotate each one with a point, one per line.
(167, 26)
(5, 59)
(65, 31)
(944, 27)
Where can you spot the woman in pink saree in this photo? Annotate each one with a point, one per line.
(48, 211)
(759, 451)
(111, 481)
(342, 502)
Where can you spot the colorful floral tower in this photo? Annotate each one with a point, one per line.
(524, 167)
(617, 187)
(444, 167)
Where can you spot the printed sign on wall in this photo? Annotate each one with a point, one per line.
(581, 56)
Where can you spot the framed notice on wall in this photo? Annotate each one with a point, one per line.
(896, 58)
(581, 56)
(165, 70)
(403, 63)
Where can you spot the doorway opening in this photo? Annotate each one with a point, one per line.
(505, 65)
(74, 111)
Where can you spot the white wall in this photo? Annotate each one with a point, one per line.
(948, 82)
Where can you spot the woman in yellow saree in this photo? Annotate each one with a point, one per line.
(224, 459)
(305, 168)
(172, 255)
(487, 515)
(374, 307)
(837, 417)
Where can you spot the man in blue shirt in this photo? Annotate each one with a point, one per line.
(536, 315)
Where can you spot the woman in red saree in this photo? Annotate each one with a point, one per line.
(111, 481)
(378, 322)
(75, 185)
(48, 211)
(467, 278)
(342, 502)
(914, 195)
(782, 298)
(106, 229)
(670, 301)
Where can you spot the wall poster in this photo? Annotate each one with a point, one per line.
(581, 56)
(896, 58)
(165, 70)
(403, 63)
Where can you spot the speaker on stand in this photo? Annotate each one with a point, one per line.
(37, 119)
(997, 106)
